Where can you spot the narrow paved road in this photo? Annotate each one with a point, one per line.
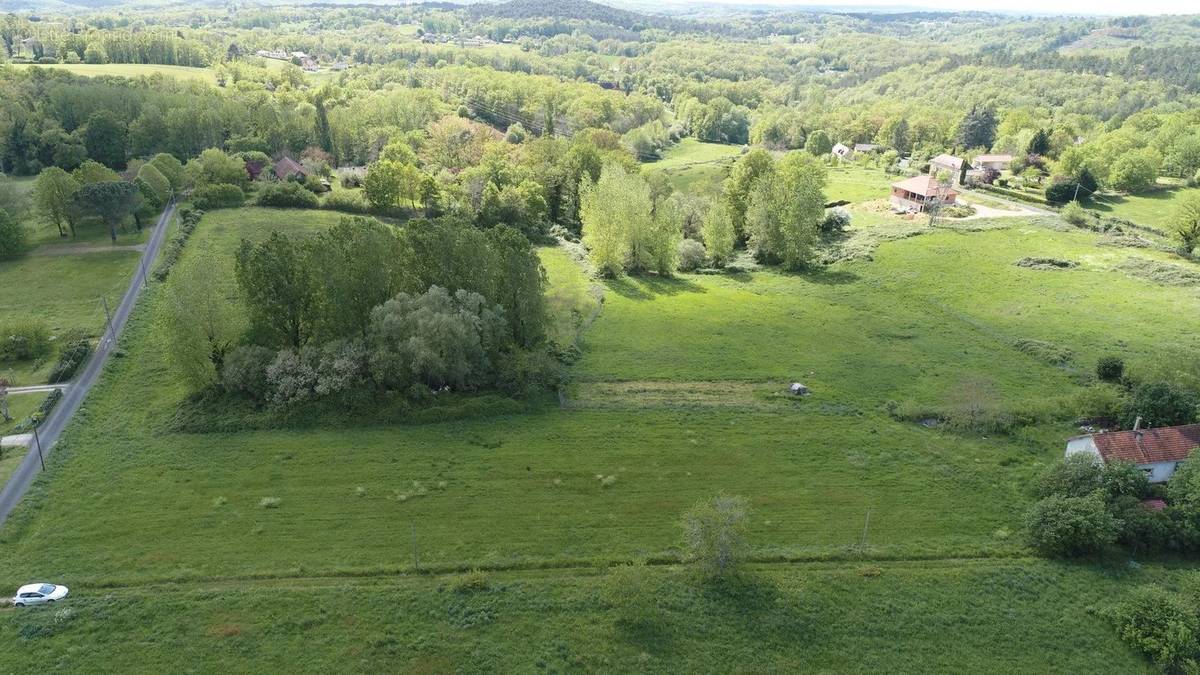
(73, 397)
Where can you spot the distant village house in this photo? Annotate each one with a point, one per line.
(842, 151)
(996, 163)
(1158, 452)
(287, 168)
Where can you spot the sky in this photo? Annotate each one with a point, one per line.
(1117, 7)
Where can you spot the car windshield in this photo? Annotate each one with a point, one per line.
(46, 589)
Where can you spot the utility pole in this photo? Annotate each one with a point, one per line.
(38, 442)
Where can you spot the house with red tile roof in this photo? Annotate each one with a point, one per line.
(919, 192)
(287, 167)
(1158, 452)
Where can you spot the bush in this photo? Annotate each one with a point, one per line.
(632, 592)
(1061, 192)
(245, 371)
(1101, 403)
(714, 535)
(188, 219)
(836, 220)
(1077, 475)
(1161, 404)
(218, 196)
(1162, 626)
(12, 236)
(24, 339)
(346, 200)
(72, 357)
(287, 194)
(1075, 214)
(691, 255)
(521, 374)
(1070, 526)
(1110, 369)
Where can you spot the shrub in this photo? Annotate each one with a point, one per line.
(1162, 626)
(1070, 526)
(957, 211)
(714, 534)
(523, 373)
(1102, 402)
(287, 194)
(346, 200)
(632, 592)
(24, 339)
(1046, 351)
(1061, 191)
(1110, 369)
(1161, 404)
(245, 371)
(218, 196)
(12, 236)
(1075, 214)
(1077, 475)
(836, 220)
(691, 255)
(73, 355)
(188, 218)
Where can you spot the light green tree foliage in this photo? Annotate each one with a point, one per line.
(53, 194)
(154, 186)
(611, 209)
(745, 173)
(719, 236)
(171, 169)
(201, 317)
(94, 172)
(714, 534)
(214, 167)
(819, 143)
(384, 183)
(1186, 223)
(1135, 170)
(786, 211)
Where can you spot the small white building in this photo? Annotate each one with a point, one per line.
(994, 162)
(842, 151)
(1158, 452)
(947, 163)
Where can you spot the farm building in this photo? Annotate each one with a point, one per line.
(287, 168)
(920, 192)
(842, 151)
(1158, 452)
(993, 162)
(866, 147)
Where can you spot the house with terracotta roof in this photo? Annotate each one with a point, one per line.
(920, 192)
(1158, 452)
(287, 168)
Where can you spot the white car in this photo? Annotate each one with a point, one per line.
(36, 594)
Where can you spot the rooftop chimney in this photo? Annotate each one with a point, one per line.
(1137, 424)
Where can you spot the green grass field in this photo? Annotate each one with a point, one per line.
(129, 70)
(855, 183)
(696, 166)
(1155, 209)
(679, 396)
(1021, 616)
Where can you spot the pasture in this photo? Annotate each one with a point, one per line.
(679, 395)
(1154, 209)
(696, 166)
(1020, 616)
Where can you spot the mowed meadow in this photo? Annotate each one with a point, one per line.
(679, 395)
